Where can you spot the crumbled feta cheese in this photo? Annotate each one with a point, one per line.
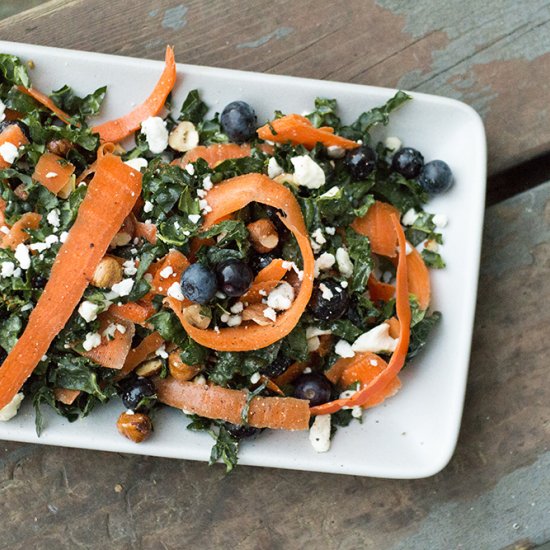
(10, 410)
(156, 134)
(323, 263)
(440, 220)
(343, 349)
(335, 151)
(93, 340)
(357, 411)
(109, 332)
(22, 256)
(330, 230)
(201, 193)
(63, 236)
(7, 269)
(194, 218)
(88, 311)
(344, 284)
(2, 109)
(166, 272)
(409, 217)
(344, 262)
(255, 378)
(207, 183)
(137, 163)
(347, 394)
(281, 297)
(373, 362)
(220, 295)
(307, 172)
(224, 317)
(9, 152)
(332, 192)
(270, 313)
(318, 236)
(319, 433)
(130, 268)
(274, 169)
(124, 287)
(53, 217)
(5, 229)
(376, 340)
(392, 143)
(161, 352)
(326, 293)
(51, 239)
(51, 175)
(148, 207)
(27, 307)
(190, 169)
(234, 320)
(237, 307)
(314, 331)
(174, 291)
(431, 245)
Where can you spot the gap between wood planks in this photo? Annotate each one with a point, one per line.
(518, 179)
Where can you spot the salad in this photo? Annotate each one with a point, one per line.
(254, 274)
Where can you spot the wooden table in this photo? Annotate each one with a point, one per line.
(495, 493)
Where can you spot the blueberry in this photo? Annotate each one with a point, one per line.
(8, 123)
(198, 284)
(360, 162)
(328, 300)
(278, 366)
(241, 431)
(136, 391)
(408, 162)
(313, 386)
(234, 277)
(259, 261)
(38, 281)
(436, 177)
(238, 121)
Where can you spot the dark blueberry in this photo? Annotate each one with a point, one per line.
(136, 391)
(238, 121)
(313, 386)
(328, 300)
(234, 277)
(39, 281)
(241, 431)
(408, 162)
(8, 123)
(198, 284)
(278, 366)
(258, 262)
(436, 177)
(273, 215)
(360, 162)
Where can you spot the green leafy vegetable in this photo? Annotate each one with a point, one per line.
(13, 70)
(193, 108)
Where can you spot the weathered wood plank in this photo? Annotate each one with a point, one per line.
(494, 56)
(495, 492)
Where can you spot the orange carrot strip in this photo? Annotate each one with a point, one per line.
(379, 290)
(290, 374)
(147, 231)
(53, 172)
(14, 135)
(18, 232)
(137, 312)
(270, 385)
(395, 326)
(147, 347)
(112, 352)
(218, 152)
(278, 413)
(382, 380)
(275, 271)
(120, 128)
(298, 130)
(174, 260)
(228, 197)
(376, 224)
(110, 197)
(419, 279)
(3, 206)
(258, 291)
(66, 396)
(44, 100)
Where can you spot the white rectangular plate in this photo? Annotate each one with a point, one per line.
(413, 434)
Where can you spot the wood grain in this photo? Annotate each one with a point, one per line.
(494, 493)
(493, 55)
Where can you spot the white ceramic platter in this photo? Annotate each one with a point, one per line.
(414, 434)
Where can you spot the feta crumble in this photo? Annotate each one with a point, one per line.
(307, 172)
(22, 256)
(281, 297)
(88, 311)
(7, 269)
(335, 151)
(137, 164)
(234, 320)
(51, 175)
(9, 152)
(440, 220)
(53, 217)
(274, 169)
(174, 291)
(376, 340)
(166, 272)
(156, 134)
(270, 313)
(319, 433)
(93, 340)
(130, 268)
(343, 349)
(392, 143)
(409, 217)
(194, 218)
(148, 207)
(344, 262)
(10, 410)
(324, 262)
(255, 378)
(124, 287)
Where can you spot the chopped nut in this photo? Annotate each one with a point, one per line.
(137, 427)
(59, 146)
(255, 312)
(125, 234)
(195, 316)
(180, 370)
(150, 367)
(107, 273)
(263, 235)
(21, 192)
(183, 137)
(325, 345)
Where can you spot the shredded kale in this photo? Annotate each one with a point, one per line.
(193, 108)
